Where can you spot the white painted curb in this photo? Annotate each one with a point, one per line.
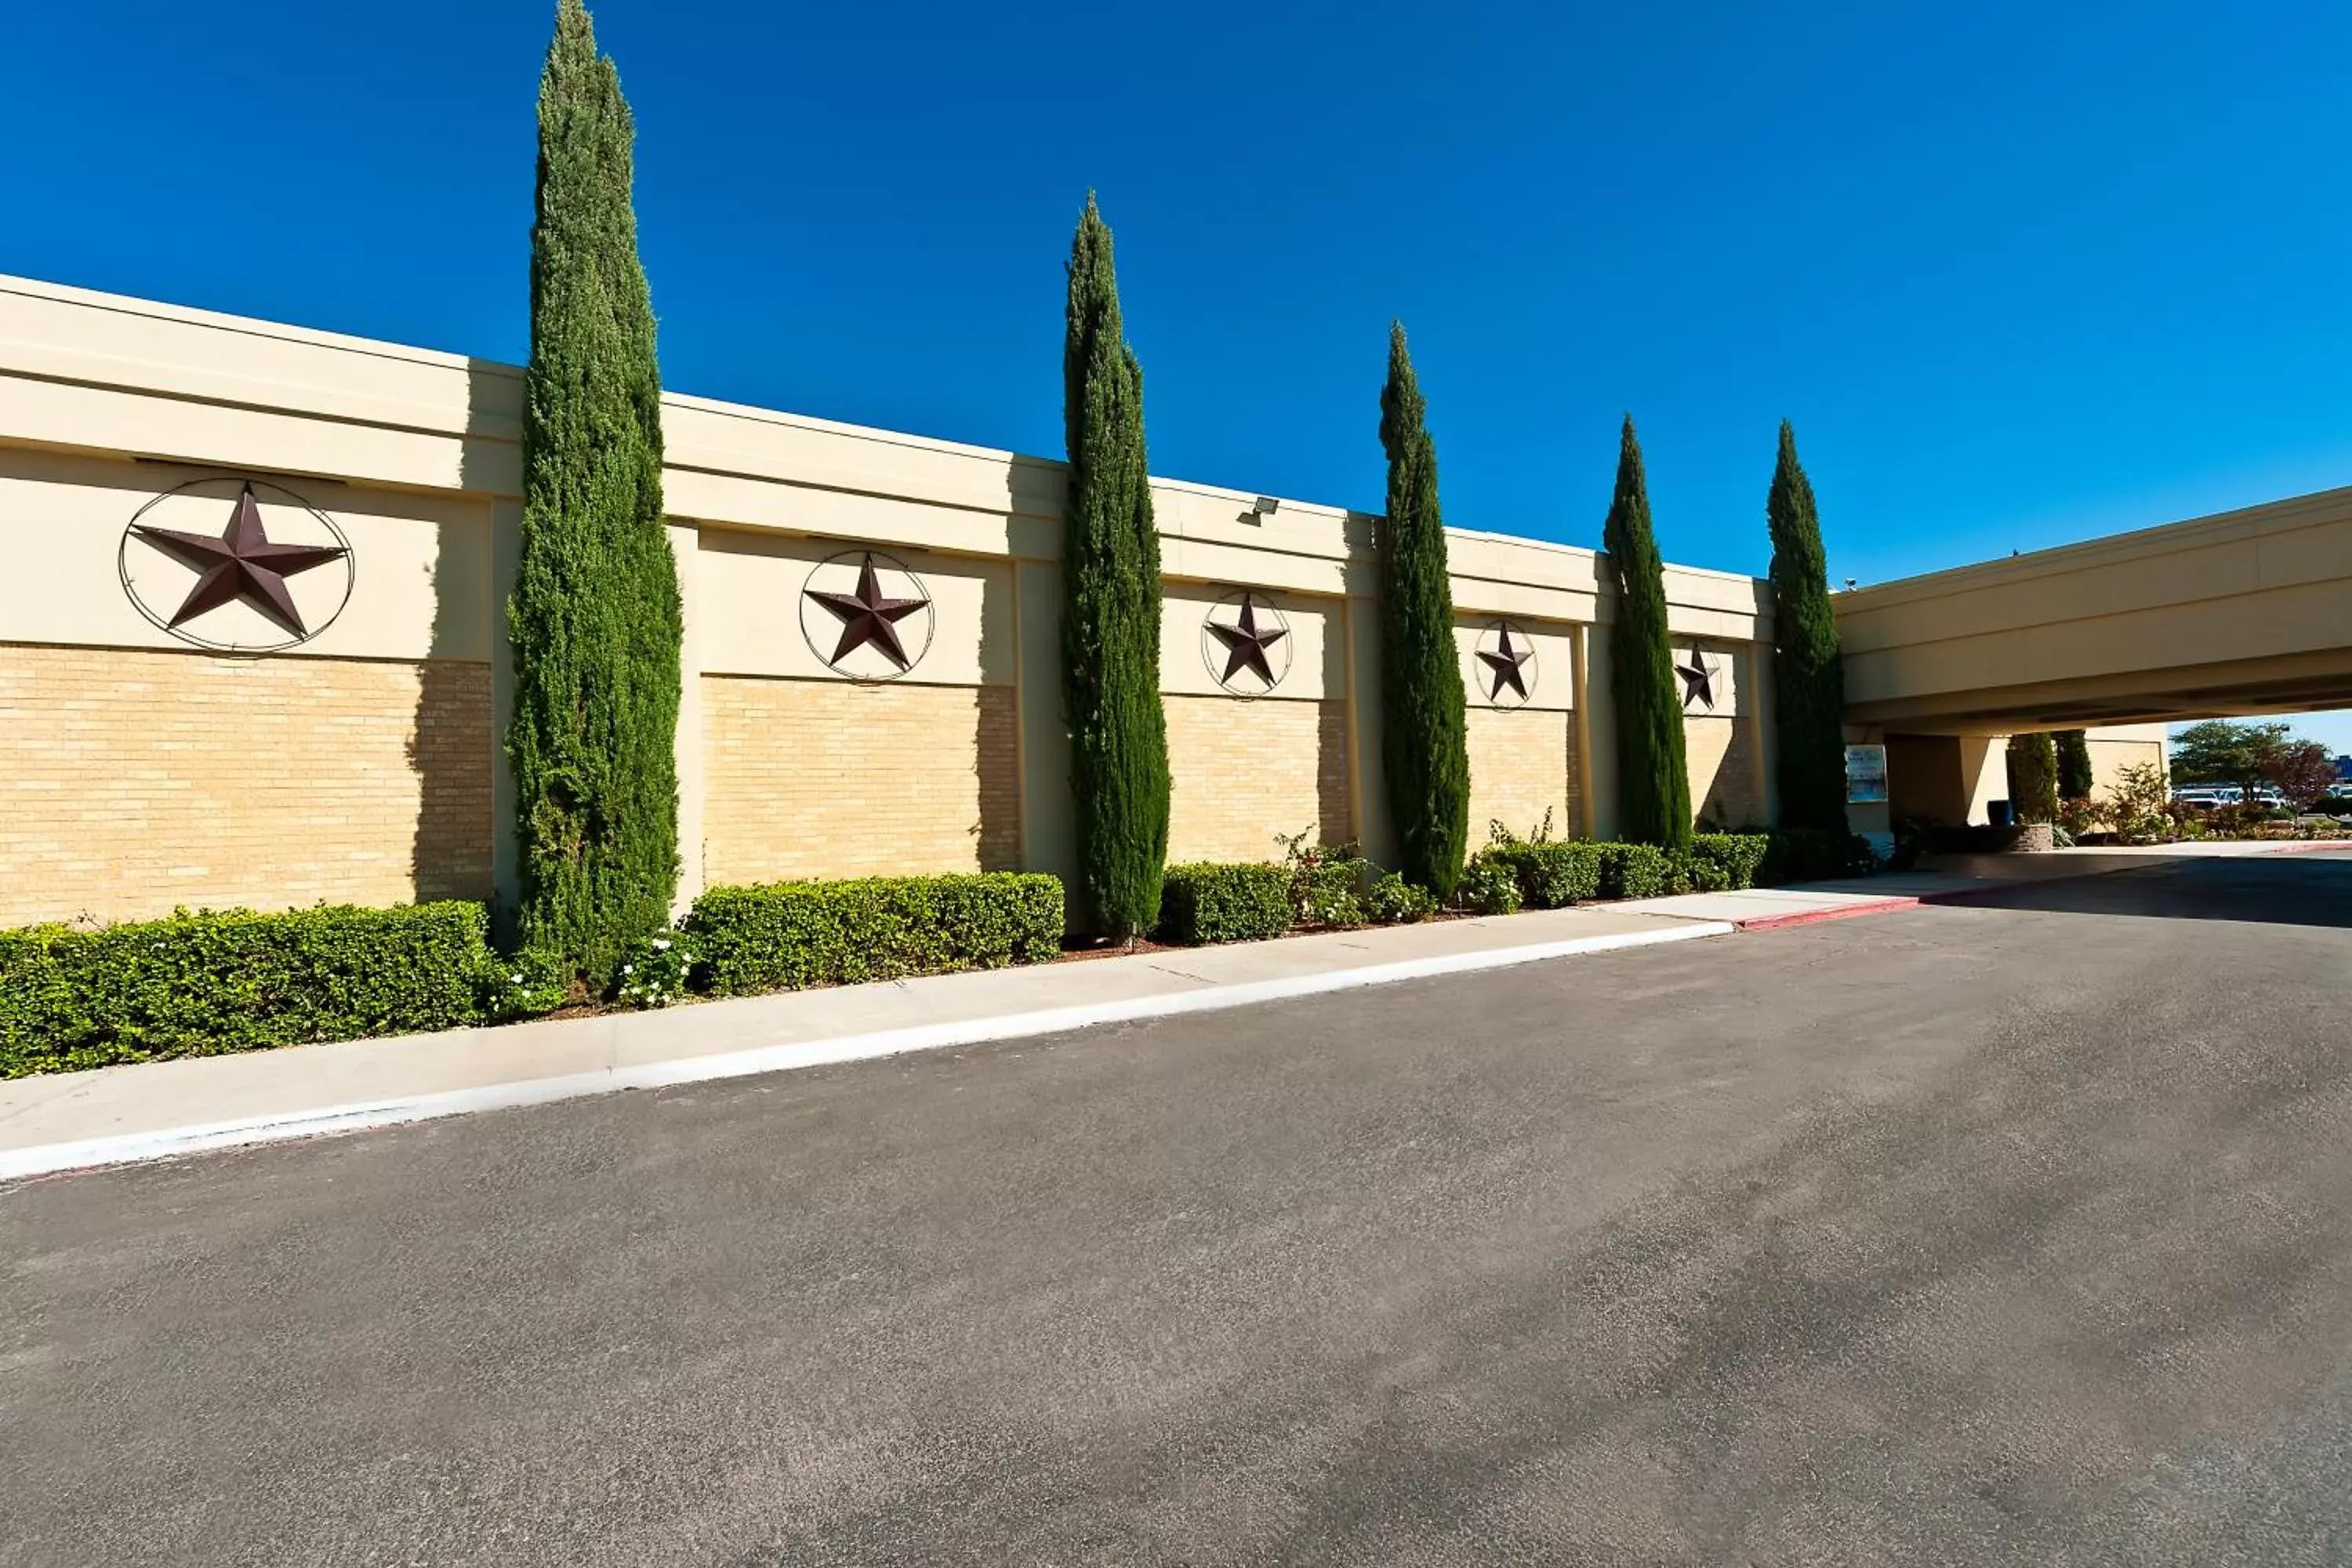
(128, 1148)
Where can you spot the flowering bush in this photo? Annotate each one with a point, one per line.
(656, 971)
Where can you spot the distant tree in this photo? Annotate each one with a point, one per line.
(1110, 610)
(2074, 780)
(1653, 778)
(2301, 771)
(2033, 777)
(1425, 747)
(1808, 675)
(2224, 751)
(595, 620)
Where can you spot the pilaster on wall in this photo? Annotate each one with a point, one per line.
(506, 844)
(1375, 826)
(685, 545)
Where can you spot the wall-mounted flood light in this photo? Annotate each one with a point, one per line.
(1265, 505)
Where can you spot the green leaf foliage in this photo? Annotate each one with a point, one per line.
(1634, 870)
(1395, 901)
(1740, 855)
(209, 984)
(1207, 902)
(1808, 675)
(1110, 611)
(1489, 885)
(1552, 876)
(783, 935)
(1812, 854)
(2033, 777)
(1652, 779)
(594, 619)
(1423, 746)
(2074, 779)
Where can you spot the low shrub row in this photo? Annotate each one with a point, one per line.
(206, 983)
(212, 983)
(1337, 889)
(784, 935)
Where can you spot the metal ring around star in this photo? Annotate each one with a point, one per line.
(1245, 644)
(1506, 669)
(879, 665)
(283, 497)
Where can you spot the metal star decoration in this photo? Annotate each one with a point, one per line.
(1699, 678)
(868, 617)
(242, 563)
(1507, 663)
(1245, 644)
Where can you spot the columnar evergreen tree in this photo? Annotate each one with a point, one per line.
(596, 619)
(1111, 613)
(1653, 778)
(2074, 781)
(2033, 777)
(1808, 675)
(1423, 745)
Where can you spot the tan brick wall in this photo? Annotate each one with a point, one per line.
(829, 778)
(1522, 764)
(132, 782)
(1722, 771)
(1244, 772)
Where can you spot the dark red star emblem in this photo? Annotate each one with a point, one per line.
(242, 563)
(867, 617)
(1246, 643)
(1507, 663)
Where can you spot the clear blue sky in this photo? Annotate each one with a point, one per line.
(2019, 274)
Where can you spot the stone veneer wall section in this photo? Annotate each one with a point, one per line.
(1722, 770)
(830, 778)
(1247, 771)
(1522, 764)
(133, 782)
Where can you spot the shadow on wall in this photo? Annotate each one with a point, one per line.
(451, 734)
(996, 736)
(1335, 821)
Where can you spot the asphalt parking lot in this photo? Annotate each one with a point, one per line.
(2014, 1232)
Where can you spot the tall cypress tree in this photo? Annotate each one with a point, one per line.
(596, 619)
(1808, 675)
(2074, 780)
(1110, 612)
(1424, 750)
(1652, 779)
(2033, 777)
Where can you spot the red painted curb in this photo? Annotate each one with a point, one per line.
(1814, 917)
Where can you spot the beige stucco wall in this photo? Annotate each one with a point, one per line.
(2118, 746)
(786, 767)
(2214, 617)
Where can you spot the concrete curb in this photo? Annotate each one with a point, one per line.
(169, 1142)
(1836, 912)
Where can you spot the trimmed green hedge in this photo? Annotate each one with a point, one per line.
(1813, 855)
(1633, 870)
(1204, 903)
(784, 935)
(207, 983)
(1737, 856)
(1552, 876)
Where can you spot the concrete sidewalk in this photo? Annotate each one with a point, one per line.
(152, 1110)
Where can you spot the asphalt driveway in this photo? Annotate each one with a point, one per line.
(2011, 1233)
